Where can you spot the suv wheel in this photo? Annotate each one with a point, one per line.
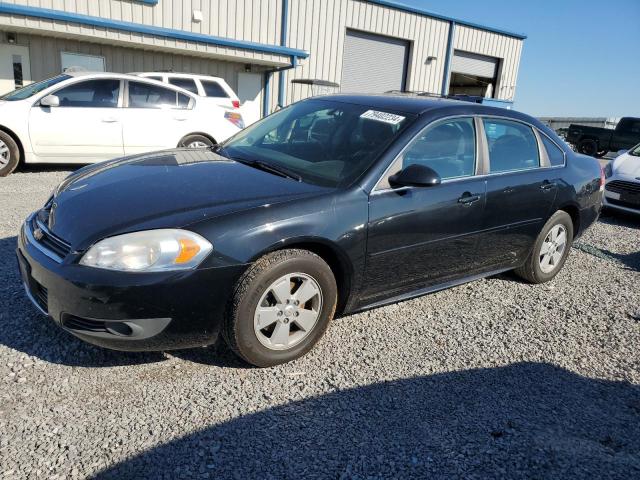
(196, 141)
(281, 307)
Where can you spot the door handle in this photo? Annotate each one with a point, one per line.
(547, 185)
(468, 198)
(109, 120)
(180, 119)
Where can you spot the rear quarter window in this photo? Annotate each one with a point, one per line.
(555, 153)
(213, 89)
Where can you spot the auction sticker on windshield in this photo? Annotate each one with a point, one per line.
(385, 117)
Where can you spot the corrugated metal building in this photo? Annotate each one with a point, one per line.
(260, 46)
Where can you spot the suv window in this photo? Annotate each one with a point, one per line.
(159, 79)
(512, 146)
(213, 89)
(448, 147)
(186, 83)
(555, 153)
(90, 94)
(145, 95)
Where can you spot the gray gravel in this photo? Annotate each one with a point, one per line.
(491, 379)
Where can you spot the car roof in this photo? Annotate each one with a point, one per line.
(180, 75)
(417, 105)
(127, 76)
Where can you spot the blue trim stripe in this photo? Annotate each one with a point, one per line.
(149, 2)
(49, 14)
(421, 11)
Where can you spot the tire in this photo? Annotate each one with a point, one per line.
(601, 153)
(196, 141)
(588, 147)
(284, 269)
(9, 154)
(534, 269)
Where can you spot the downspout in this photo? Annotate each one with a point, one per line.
(447, 60)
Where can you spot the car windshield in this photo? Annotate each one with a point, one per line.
(635, 151)
(32, 89)
(321, 142)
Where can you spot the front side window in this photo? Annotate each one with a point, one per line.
(512, 146)
(186, 83)
(90, 94)
(449, 148)
(213, 89)
(30, 90)
(555, 153)
(324, 142)
(146, 95)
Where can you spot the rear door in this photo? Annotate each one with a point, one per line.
(86, 127)
(419, 237)
(521, 189)
(154, 117)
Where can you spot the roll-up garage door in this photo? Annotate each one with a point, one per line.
(474, 64)
(373, 63)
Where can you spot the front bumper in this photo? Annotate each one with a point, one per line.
(126, 311)
(622, 193)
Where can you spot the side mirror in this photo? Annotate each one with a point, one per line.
(415, 176)
(50, 101)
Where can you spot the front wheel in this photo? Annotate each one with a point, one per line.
(196, 141)
(281, 307)
(9, 154)
(550, 250)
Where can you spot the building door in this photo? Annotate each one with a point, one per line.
(373, 63)
(250, 96)
(15, 69)
(473, 74)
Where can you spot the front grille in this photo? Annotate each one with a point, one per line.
(47, 240)
(83, 324)
(622, 203)
(621, 186)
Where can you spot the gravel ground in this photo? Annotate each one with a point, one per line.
(495, 378)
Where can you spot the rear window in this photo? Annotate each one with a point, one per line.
(512, 146)
(145, 95)
(213, 89)
(186, 83)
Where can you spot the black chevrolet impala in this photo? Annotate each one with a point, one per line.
(333, 205)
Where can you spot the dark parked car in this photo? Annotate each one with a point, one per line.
(597, 142)
(332, 205)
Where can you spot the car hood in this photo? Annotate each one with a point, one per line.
(628, 165)
(168, 189)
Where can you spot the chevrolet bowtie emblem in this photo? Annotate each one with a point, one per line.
(38, 234)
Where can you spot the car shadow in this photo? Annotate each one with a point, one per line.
(527, 420)
(620, 218)
(24, 329)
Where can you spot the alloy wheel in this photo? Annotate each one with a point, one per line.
(288, 311)
(553, 248)
(197, 144)
(5, 154)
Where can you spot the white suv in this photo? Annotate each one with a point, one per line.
(213, 88)
(86, 117)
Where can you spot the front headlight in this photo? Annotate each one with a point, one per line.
(608, 169)
(148, 251)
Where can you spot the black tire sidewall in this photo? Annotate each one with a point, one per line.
(564, 219)
(195, 138)
(591, 145)
(14, 151)
(246, 340)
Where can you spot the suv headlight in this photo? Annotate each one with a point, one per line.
(148, 251)
(608, 169)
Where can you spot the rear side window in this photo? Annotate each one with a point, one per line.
(186, 83)
(213, 89)
(512, 146)
(145, 95)
(183, 100)
(555, 153)
(447, 147)
(90, 94)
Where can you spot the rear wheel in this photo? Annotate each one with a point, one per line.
(9, 154)
(281, 307)
(550, 250)
(588, 147)
(196, 141)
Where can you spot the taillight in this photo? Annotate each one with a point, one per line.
(602, 179)
(235, 103)
(235, 118)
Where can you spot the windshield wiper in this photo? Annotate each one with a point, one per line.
(264, 166)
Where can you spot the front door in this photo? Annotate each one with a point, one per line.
(85, 127)
(520, 193)
(422, 236)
